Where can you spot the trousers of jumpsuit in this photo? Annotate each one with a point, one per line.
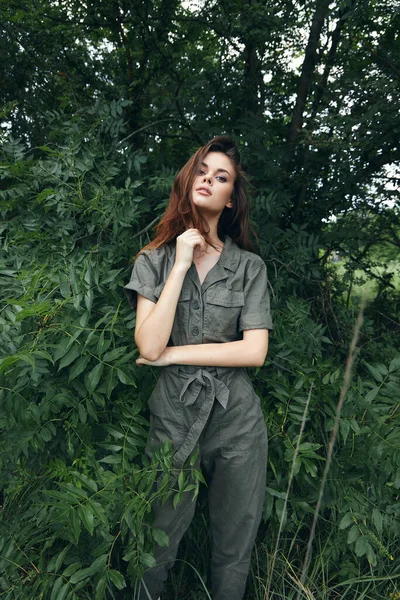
(213, 409)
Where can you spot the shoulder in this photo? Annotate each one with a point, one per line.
(245, 260)
(252, 261)
(156, 256)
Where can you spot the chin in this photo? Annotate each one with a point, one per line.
(203, 207)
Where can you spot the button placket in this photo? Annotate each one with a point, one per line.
(197, 318)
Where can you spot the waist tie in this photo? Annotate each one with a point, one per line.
(215, 389)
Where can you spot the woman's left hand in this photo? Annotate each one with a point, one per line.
(162, 361)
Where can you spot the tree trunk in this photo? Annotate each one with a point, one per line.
(307, 72)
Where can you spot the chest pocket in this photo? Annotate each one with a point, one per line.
(222, 310)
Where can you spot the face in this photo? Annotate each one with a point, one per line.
(213, 186)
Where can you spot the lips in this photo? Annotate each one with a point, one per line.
(203, 190)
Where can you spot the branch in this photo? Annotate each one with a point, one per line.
(307, 71)
(149, 226)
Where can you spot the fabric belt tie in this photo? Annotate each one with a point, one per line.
(215, 389)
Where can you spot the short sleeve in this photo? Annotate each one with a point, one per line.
(256, 310)
(144, 280)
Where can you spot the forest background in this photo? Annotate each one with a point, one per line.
(100, 103)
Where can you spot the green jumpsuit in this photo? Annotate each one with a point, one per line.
(213, 408)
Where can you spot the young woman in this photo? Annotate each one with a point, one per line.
(202, 317)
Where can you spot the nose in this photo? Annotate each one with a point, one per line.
(206, 178)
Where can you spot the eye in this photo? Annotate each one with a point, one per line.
(221, 178)
(201, 172)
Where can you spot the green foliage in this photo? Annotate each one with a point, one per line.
(78, 490)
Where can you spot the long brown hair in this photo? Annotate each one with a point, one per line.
(182, 214)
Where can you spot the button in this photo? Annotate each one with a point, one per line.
(195, 331)
(196, 305)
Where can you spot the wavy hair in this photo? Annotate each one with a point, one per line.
(182, 214)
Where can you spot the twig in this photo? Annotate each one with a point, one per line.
(296, 452)
(344, 390)
(147, 127)
(149, 226)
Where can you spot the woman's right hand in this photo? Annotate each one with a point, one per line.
(185, 245)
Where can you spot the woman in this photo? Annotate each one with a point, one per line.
(203, 315)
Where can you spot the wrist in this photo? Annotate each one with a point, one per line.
(180, 270)
(169, 355)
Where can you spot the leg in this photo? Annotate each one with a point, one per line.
(236, 498)
(174, 521)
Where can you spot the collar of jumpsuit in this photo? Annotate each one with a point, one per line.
(229, 259)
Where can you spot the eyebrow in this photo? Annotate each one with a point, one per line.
(218, 170)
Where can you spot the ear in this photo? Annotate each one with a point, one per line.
(229, 204)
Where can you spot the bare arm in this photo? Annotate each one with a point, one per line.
(154, 320)
(249, 352)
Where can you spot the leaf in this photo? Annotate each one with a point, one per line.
(72, 568)
(160, 537)
(87, 517)
(101, 587)
(92, 485)
(43, 354)
(354, 534)
(92, 380)
(326, 378)
(114, 354)
(111, 459)
(57, 560)
(394, 364)
(346, 521)
(377, 519)
(61, 349)
(281, 511)
(194, 457)
(56, 588)
(62, 594)
(79, 367)
(110, 382)
(361, 546)
(117, 578)
(97, 566)
(75, 524)
(374, 372)
(89, 300)
(60, 558)
(83, 321)
(275, 493)
(181, 480)
(371, 556)
(45, 434)
(199, 476)
(64, 285)
(116, 433)
(71, 355)
(372, 394)
(147, 560)
(82, 413)
(177, 499)
(125, 378)
(131, 553)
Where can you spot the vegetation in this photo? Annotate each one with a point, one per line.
(100, 105)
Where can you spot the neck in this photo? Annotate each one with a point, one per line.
(212, 222)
